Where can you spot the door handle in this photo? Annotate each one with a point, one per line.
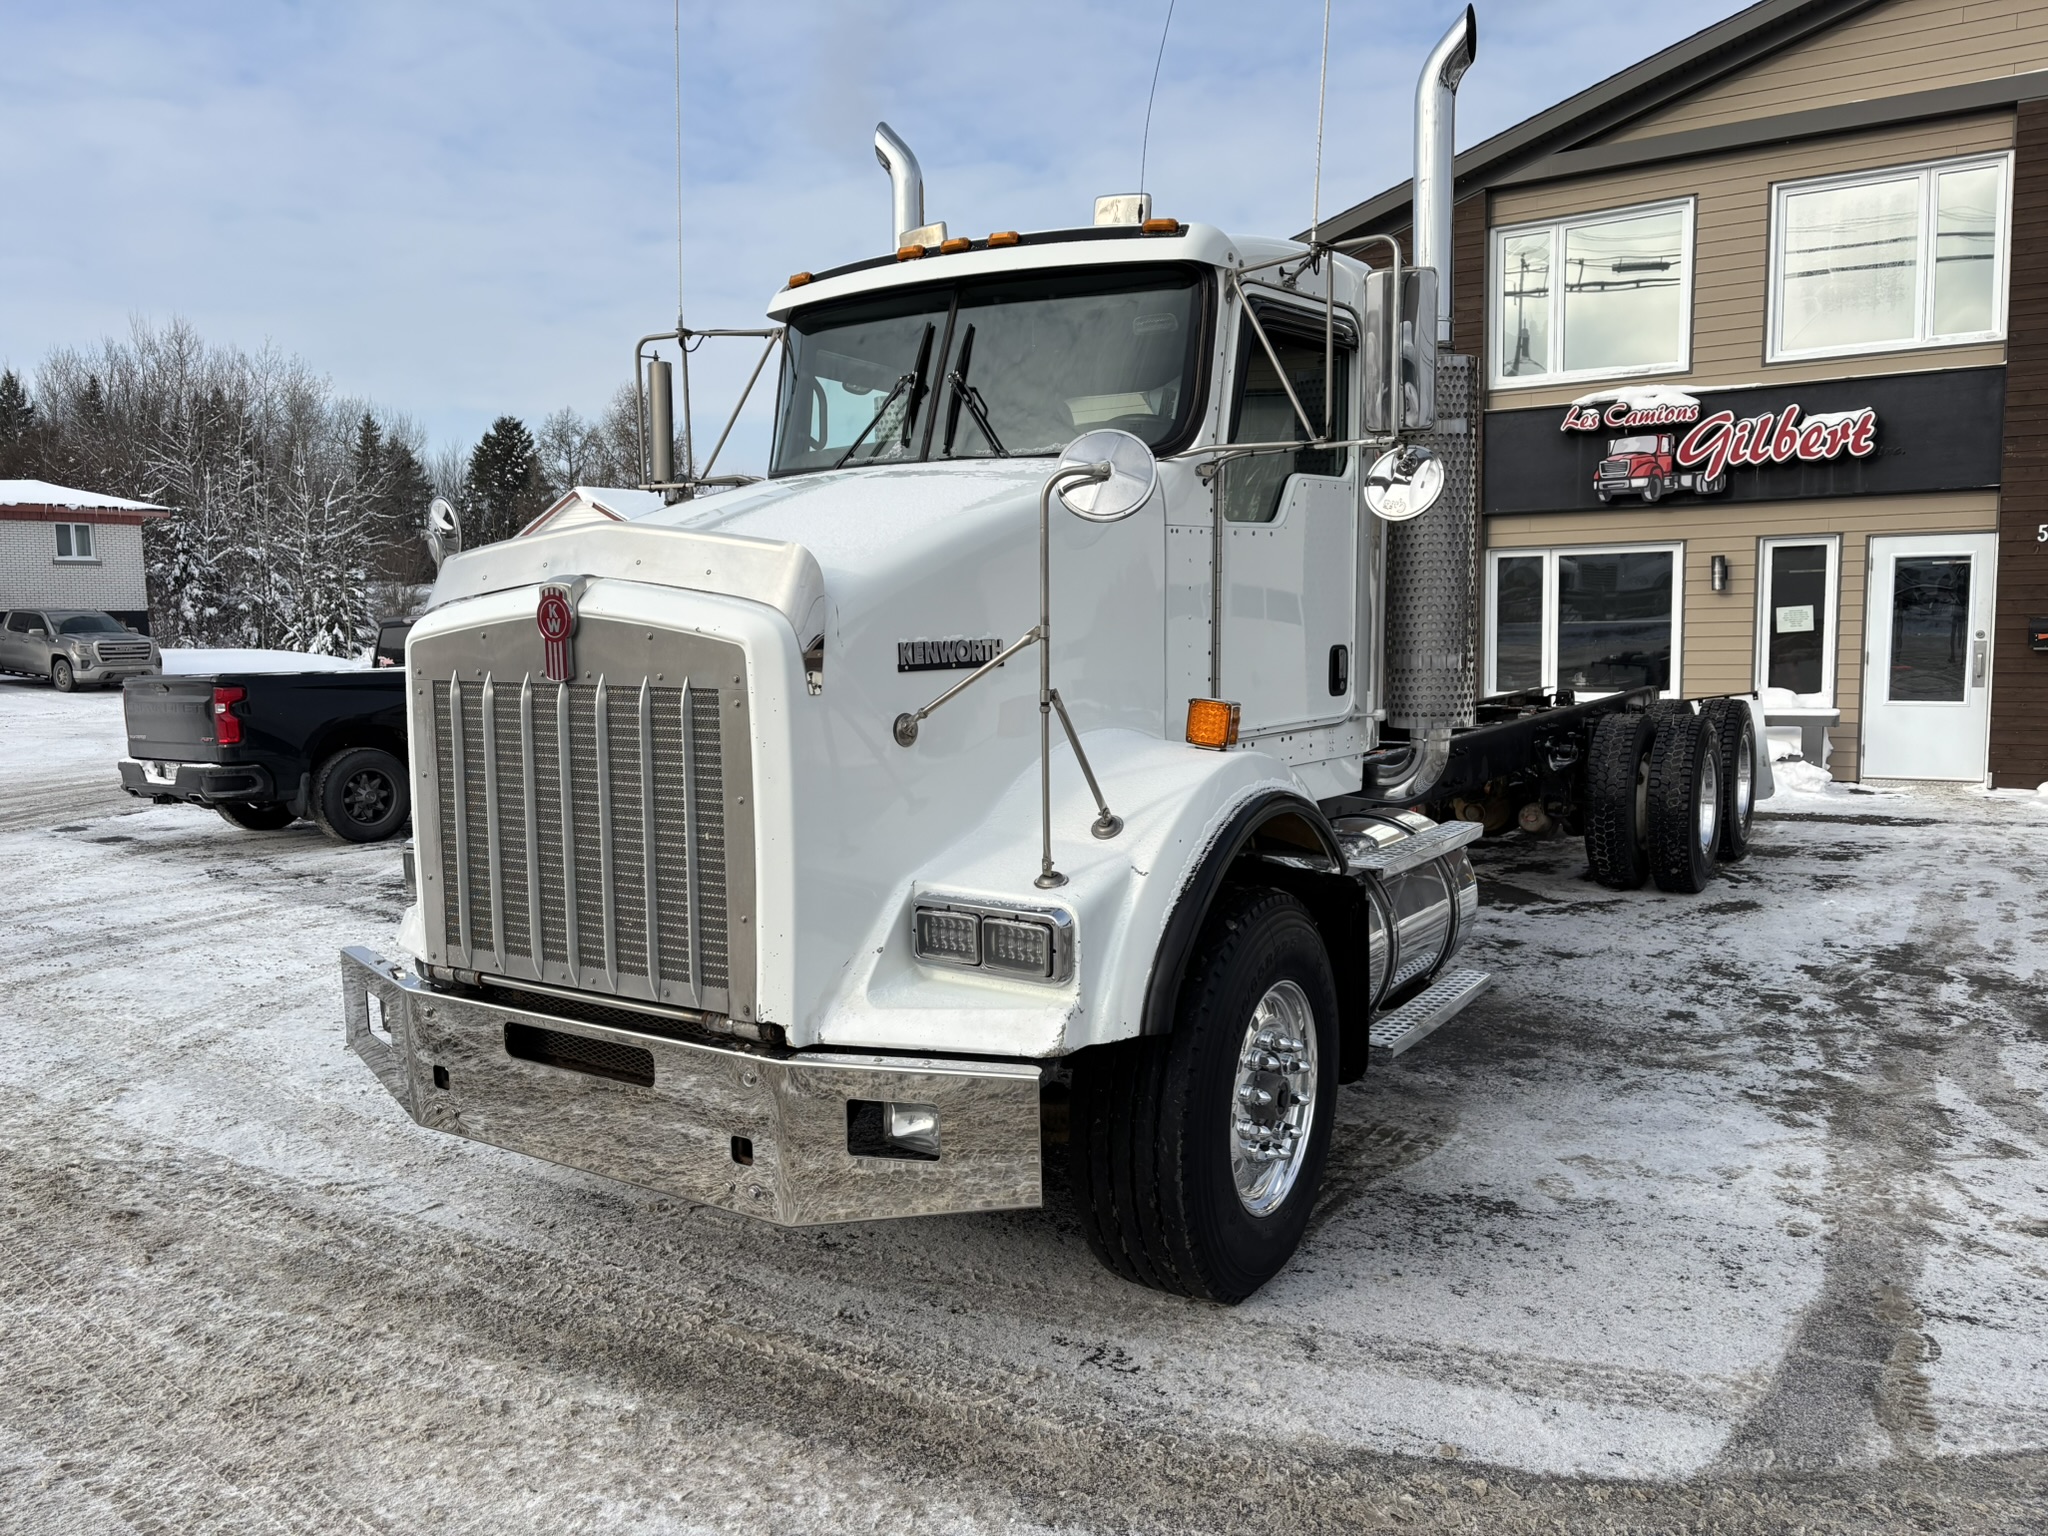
(1977, 659)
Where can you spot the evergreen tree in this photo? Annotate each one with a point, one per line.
(20, 449)
(503, 489)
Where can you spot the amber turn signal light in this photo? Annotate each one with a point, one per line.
(909, 252)
(1212, 723)
(797, 279)
(955, 247)
(1003, 237)
(1161, 226)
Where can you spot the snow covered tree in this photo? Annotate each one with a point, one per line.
(20, 434)
(503, 490)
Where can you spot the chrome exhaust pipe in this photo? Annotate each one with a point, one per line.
(906, 184)
(1436, 96)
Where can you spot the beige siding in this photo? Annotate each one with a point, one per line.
(1909, 45)
(1718, 640)
(1731, 246)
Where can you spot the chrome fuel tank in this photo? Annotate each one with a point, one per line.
(1419, 917)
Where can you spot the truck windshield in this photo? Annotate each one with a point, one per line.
(87, 624)
(995, 367)
(1635, 445)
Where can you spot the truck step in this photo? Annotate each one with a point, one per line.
(1436, 1005)
(1368, 858)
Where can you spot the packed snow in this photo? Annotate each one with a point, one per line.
(199, 662)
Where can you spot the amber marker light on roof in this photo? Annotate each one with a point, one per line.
(955, 247)
(797, 279)
(1212, 723)
(1161, 226)
(1004, 237)
(909, 252)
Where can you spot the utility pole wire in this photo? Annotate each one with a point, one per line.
(1145, 146)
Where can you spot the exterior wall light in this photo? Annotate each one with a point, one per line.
(1717, 572)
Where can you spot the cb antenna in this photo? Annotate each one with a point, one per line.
(1145, 146)
(1315, 202)
(679, 167)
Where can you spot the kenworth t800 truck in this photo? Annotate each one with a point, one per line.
(1035, 762)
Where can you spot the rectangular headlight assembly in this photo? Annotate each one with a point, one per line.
(1022, 943)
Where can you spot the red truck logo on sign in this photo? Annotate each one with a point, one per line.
(1654, 464)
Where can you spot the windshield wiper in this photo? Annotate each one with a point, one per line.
(965, 393)
(912, 381)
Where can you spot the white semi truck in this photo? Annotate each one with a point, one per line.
(1033, 764)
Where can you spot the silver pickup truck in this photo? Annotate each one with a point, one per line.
(75, 648)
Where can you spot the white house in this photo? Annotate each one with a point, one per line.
(61, 548)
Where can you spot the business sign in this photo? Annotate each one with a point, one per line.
(1892, 435)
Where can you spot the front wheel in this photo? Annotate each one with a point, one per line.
(62, 678)
(360, 795)
(1196, 1158)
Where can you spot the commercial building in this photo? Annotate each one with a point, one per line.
(61, 548)
(1761, 326)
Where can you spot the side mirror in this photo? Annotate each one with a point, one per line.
(1403, 483)
(36, 630)
(444, 531)
(1132, 478)
(1400, 351)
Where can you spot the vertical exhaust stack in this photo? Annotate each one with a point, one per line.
(1436, 103)
(906, 188)
(1433, 560)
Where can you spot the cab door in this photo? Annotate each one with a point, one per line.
(1289, 545)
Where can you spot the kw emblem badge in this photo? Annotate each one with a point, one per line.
(556, 618)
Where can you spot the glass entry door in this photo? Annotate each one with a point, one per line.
(1927, 656)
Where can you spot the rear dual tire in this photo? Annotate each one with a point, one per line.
(1684, 798)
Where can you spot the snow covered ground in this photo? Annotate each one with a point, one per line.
(1727, 1212)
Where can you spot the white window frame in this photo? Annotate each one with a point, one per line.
(91, 540)
(1828, 656)
(1557, 228)
(1923, 297)
(1550, 554)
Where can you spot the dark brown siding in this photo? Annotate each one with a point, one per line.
(2019, 678)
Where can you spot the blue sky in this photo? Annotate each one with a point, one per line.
(461, 210)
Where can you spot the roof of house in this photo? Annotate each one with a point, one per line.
(1566, 139)
(42, 496)
(595, 504)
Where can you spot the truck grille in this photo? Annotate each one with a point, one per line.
(583, 835)
(121, 651)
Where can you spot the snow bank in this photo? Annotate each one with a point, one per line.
(189, 662)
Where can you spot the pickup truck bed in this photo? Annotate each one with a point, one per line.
(267, 748)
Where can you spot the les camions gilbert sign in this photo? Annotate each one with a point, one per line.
(1663, 442)
(1887, 435)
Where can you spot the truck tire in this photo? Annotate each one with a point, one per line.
(1184, 1181)
(254, 816)
(361, 795)
(1685, 803)
(1617, 799)
(62, 678)
(1735, 730)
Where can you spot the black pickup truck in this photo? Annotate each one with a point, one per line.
(267, 748)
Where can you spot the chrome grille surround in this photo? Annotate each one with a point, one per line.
(541, 808)
(121, 650)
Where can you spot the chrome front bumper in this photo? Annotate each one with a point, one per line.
(449, 1060)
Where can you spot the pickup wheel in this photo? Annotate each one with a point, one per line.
(1617, 799)
(62, 678)
(1735, 730)
(1685, 803)
(255, 816)
(361, 796)
(1196, 1158)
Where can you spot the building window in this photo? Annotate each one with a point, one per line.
(74, 541)
(1912, 257)
(1795, 625)
(1592, 620)
(1601, 296)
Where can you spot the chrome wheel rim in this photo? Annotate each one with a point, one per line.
(1745, 782)
(1273, 1102)
(1710, 802)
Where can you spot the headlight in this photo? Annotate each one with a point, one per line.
(1026, 944)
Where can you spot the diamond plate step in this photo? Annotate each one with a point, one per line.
(1369, 858)
(1436, 1005)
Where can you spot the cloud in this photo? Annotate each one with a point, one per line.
(464, 210)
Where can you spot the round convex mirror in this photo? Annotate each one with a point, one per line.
(1133, 475)
(1404, 483)
(444, 530)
